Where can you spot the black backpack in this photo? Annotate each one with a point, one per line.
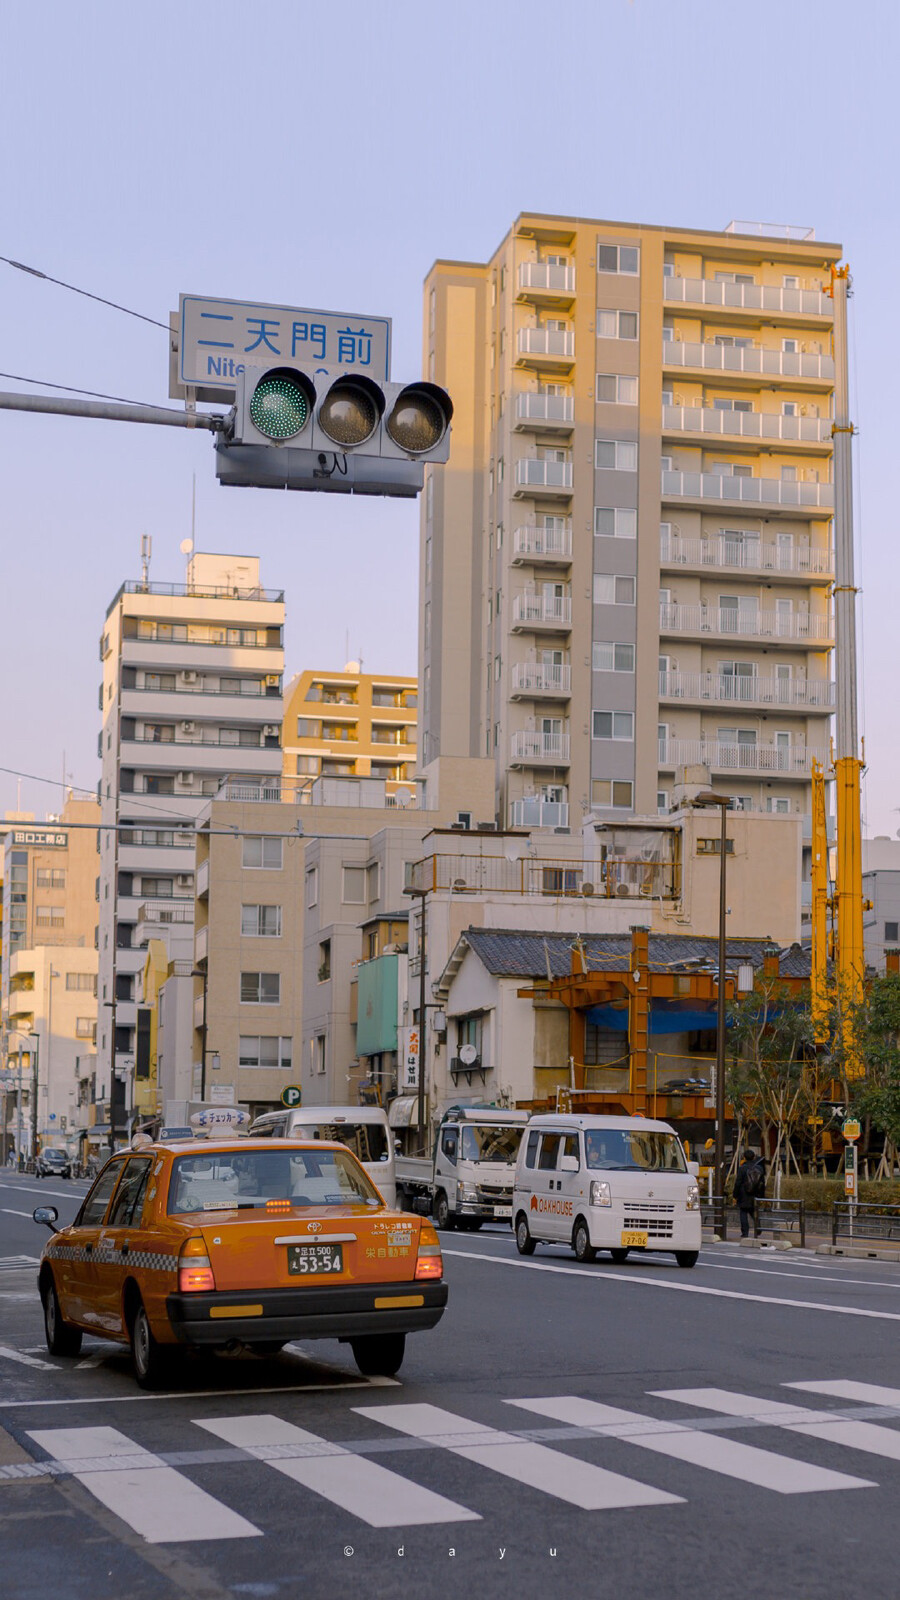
(754, 1184)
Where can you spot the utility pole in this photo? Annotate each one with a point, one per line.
(34, 1093)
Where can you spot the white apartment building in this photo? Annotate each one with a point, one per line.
(191, 695)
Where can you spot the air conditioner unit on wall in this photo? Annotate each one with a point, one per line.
(271, 730)
(188, 677)
(185, 778)
(184, 880)
(188, 727)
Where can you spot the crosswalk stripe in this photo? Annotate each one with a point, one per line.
(162, 1505)
(734, 1460)
(25, 1360)
(17, 1263)
(797, 1419)
(875, 1394)
(566, 1477)
(373, 1493)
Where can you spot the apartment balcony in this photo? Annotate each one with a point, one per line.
(20, 1005)
(799, 367)
(542, 283)
(769, 760)
(159, 655)
(201, 943)
(533, 679)
(200, 757)
(201, 881)
(726, 553)
(791, 499)
(808, 432)
(551, 349)
(533, 812)
(748, 297)
(551, 545)
(155, 916)
(535, 477)
(545, 413)
(547, 613)
(199, 1011)
(775, 627)
(815, 696)
(531, 748)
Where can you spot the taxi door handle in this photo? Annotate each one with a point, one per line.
(89, 1249)
(125, 1248)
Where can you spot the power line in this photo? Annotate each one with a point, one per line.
(34, 272)
(44, 383)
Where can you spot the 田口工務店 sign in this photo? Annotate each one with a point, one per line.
(218, 339)
(41, 836)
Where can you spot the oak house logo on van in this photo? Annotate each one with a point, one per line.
(560, 1208)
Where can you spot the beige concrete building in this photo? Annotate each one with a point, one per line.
(350, 724)
(626, 563)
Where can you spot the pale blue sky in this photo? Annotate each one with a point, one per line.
(317, 154)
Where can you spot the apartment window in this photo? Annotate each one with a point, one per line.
(501, 468)
(497, 665)
(308, 728)
(307, 766)
(611, 590)
(713, 847)
(790, 408)
(789, 281)
(612, 388)
(82, 980)
(789, 475)
(258, 851)
(612, 792)
(260, 988)
(50, 878)
(615, 522)
(499, 535)
(613, 725)
(324, 968)
(426, 625)
(261, 922)
(621, 454)
(312, 886)
(617, 324)
(613, 657)
(158, 888)
(723, 404)
(778, 807)
(428, 559)
(662, 801)
(353, 886)
(85, 1028)
(891, 932)
(790, 347)
(50, 917)
(318, 1052)
(373, 881)
(729, 341)
(156, 784)
(618, 258)
(264, 1050)
(734, 277)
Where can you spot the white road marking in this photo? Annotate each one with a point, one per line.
(26, 1361)
(371, 1492)
(58, 1194)
(90, 1361)
(577, 1482)
(875, 1394)
(10, 1212)
(764, 1468)
(797, 1419)
(157, 1502)
(677, 1288)
(201, 1394)
(813, 1277)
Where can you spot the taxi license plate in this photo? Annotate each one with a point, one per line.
(314, 1260)
(632, 1239)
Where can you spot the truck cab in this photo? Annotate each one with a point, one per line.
(475, 1164)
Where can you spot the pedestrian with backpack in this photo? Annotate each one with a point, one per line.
(749, 1186)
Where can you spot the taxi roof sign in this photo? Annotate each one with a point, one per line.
(219, 1122)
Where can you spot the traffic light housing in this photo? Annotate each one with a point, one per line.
(342, 433)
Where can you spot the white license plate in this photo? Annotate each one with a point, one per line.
(503, 1211)
(633, 1239)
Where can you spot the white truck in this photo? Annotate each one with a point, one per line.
(470, 1176)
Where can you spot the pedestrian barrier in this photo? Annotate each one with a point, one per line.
(714, 1213)
(852, 1221)
(781, 1216)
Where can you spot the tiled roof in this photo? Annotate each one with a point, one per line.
(518, 953)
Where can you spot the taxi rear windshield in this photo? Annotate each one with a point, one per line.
(247, 1180)
(367, 1140)
(619, 1150)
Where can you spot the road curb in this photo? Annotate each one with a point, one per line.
(859, 1252)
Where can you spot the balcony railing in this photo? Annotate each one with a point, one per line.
(747, 296)
(534, 474)
(729, 621)
(543, 542)
(534, 677)
(752, 358)
(746, 424)
(531, 745)
(541, 610)
(545, 408)
(195, 591)
(533, 812)
(557, 342)
(798, 693)
(489, 875)
(542, 275)
(793, 761)
(746, 491)
(746, 554)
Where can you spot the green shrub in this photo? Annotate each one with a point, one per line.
(821, 1193)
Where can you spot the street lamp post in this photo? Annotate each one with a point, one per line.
(34, 1093)
(420, 1109)
(723, 802)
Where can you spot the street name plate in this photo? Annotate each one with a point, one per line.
(216, 340)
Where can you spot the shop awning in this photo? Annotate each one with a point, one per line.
(403, 1111)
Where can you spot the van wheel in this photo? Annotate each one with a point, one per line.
(581, 1242)
(524, 1242)
(442, 1215)
(619, 1255)
(152, 1362)
(687, 1258)
(379, 1355)
(62, 1338)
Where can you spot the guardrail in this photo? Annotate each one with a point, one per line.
(712, 1209)
(781, 1216)
(850, 1220)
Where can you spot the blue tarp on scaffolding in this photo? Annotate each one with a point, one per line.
(666, 1016)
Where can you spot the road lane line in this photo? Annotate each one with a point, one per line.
(373, 1493)
(160, 1504)
(567, 1478)
(27, 1361)
(195, 1395)
(10, 1212)
(765, 1468)
(796, 1419)
(876, 1394)
(677, 1288)
(813, 1277)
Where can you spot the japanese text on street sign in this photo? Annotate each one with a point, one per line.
(850, 1128)
(411, 1058)
(218, 339)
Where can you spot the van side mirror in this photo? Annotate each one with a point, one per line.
(694, 1167)
(47, 1215)
(569, 1164)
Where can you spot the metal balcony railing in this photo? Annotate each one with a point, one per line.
(745, 552)
(534, 474)
(543, 610)
(798, 693)
(533, 812)
(752, 359)
(531, 745)
(746, 296)
(743, 623)
(543, 542)
(534, 677)
(488, 875)
(558, 342)
(542, 275)
(545, 408)
(746, 424)
(752, 491)
(793, 761)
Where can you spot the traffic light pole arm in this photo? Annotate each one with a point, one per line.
(114, 411)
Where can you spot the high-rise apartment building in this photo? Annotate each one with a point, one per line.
(191, 695)
(350, 724)
(626, 564)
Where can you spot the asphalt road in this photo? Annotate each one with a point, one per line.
(582, 1430)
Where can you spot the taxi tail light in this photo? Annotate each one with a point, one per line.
(429, 1263)
(195, 1275)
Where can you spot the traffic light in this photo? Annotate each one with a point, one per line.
(297, 428)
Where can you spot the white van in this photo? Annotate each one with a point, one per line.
(363, 1129)
(605, 1183)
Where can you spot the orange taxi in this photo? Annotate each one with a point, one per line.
(220, 1242)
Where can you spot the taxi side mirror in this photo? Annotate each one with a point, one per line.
(47, 1215)
(569, 1164)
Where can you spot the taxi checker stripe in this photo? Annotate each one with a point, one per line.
(151, 1260)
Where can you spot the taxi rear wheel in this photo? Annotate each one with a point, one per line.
(379, 1355)
(152, 1362)
(62, 1338)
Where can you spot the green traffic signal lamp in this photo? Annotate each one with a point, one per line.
(281, 404)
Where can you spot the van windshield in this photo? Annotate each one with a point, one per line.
(367, 1140)
(490, 1144)
(248, 1179)
(621, 1150)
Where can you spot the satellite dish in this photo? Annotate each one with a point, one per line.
(402, 798)
(186, 547)
(587, 889)
(468, 1054)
